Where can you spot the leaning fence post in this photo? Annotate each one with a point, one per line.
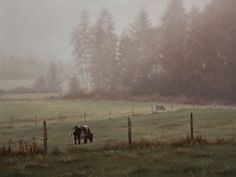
(45, 137)
(191, 126)
(129, 131)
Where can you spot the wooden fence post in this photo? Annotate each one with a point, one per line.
(132, 111)
(11, 122)
(129, 131)
(152, 109)
(191, 126)
(85, 116)
(45, 137)
(172, 107)
(36, 120)
(215, 104)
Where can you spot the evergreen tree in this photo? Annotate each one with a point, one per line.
(218, 31)
(74, 86)
(172, 41)
(82, 48)
(137, 52)
(40, 84)
(104, 58)
(53, 80)
(124, 54)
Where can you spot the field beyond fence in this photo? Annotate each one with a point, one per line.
(23, 120)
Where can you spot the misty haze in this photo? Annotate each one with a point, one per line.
(117, 88)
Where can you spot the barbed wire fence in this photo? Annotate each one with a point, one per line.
(15, 122)
(187, 129)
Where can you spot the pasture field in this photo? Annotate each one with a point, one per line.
(93, 160)
(163, 161)
(63, 115)
(27, 105)
(166, 126)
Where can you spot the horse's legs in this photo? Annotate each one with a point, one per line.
(91, 137)
(85, 140)
(75, 139)
(78, 139)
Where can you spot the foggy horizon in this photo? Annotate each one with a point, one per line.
(42, 29)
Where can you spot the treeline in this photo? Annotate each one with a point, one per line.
(190, 54)
(45, 76)
(50, 81)
(16, 68)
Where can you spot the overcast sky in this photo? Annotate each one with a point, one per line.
(43, 28)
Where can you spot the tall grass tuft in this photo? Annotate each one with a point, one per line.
(24, 149)
(146, 143)
(136, 145)
(198, 140)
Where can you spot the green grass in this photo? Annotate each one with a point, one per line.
(163, 161)
(52, 108)
(26, 109)
(167, 126)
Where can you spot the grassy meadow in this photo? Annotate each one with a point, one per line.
(66, 159)
(163, 161)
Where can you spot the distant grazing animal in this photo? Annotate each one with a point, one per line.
(82, 133)
(160, 108)
(86, 134)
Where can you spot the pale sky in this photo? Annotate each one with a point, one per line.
(43, 28)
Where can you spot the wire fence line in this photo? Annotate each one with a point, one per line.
(182, 128)
(15, 122)
(12, 121)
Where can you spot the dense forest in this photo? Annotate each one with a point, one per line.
(191, 53)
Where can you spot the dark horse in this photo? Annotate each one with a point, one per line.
(82, 132)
